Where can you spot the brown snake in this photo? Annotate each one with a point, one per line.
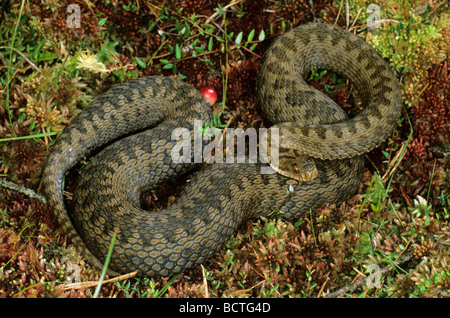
(221, 196)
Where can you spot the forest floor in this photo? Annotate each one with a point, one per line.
(391, 239)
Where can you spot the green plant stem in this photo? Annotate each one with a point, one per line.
(9, 67)
(166, 286)
(225, 82)
(385, 194)
(105, 266)
(31, 136)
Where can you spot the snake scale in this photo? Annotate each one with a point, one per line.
(218, 198)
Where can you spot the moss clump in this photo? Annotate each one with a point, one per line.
(413, 37)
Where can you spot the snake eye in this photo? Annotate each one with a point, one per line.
(295, 169)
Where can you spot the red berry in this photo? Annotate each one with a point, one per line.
(209, 93)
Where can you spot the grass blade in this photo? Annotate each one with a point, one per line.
(105, 266)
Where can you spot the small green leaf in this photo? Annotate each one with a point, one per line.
(375, 207)
(164, 61)
(119, 74)
(437, 278)
(140, 63)
(209, 28)
(199, 49)
(334, 77)
(329, 89)
(210, 44)
(177, 52)
(151, 25)
(38, 49)
(112, 45)
(168, 66)
(102, 21)
(422, 288)
(251, 35)
(21, 118)
(238, 40)
(46, 56)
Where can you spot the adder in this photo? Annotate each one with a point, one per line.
(132, 125)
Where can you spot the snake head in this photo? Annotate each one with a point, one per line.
(288, 161)
(295, 165)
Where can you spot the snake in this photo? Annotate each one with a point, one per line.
(127, 134)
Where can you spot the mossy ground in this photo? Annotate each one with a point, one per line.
(396, 226)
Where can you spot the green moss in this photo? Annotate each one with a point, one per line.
(412, 37)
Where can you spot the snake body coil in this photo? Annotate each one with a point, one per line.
(221, 196)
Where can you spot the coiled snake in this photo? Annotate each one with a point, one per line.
(221, 196)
